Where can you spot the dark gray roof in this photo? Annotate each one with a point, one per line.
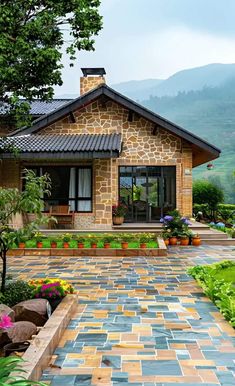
(103, 91)
(39, 107)
(76, 145)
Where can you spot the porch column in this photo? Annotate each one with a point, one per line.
(187, 182)
(103, 192)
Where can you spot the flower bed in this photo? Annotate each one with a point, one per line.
(217, 281)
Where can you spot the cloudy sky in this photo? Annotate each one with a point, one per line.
(144, 39)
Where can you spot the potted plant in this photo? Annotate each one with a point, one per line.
(173, 238)
(52, 289)
(165, 236)
(107, 239)
(118, 213)
(184, 239)
(125, 238)
(39, 238)
(196, 240)
(53, 242)
(66, 238)
(80, 241)
(144, 238)
(93, 241)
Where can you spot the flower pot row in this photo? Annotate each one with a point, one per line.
(195, 241)
(124, 245)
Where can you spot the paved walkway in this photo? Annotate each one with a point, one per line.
(139, 322)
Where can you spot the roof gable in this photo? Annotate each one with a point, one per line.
(104, 90)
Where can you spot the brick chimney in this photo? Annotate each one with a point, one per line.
(92, 77)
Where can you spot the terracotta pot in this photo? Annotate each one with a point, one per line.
(143, 245)
(39, 244)
(106, 245)
(94, 245)
(184, 241)
(65, 244)
(53, 244)
(124, 245)
(196, 241)
(166, 241)
(118, 220)
(21, 245)
(173, 240)
(80, 245)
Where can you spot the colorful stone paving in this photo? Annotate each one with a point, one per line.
(139, 321)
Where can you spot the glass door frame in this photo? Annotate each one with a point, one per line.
(161, 193)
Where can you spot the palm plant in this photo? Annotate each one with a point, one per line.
(11, 365)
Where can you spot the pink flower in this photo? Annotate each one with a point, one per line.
(5, 322)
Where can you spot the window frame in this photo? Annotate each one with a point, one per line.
(77, 199)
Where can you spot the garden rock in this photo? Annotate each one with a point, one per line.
(36, 311)
(5, 310)
(22, 331)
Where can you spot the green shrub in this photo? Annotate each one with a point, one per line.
(205, 192)
(16, 292)
(220, 292)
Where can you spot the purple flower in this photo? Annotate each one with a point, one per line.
(168, 218)
(161, 220)
(185, 221)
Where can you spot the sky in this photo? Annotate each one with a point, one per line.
(143, 39)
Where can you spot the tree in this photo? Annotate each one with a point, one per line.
(205, 192)
(31, 39)
(13, 201)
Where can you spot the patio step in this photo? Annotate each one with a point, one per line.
(221, 242)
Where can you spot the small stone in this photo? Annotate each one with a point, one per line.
(22, 331)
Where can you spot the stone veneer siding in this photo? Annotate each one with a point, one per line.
(90, 82)
(140, 147)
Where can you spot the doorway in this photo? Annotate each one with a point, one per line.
(149, 192)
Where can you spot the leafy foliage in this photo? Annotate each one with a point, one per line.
(205, 192)
(32, 34)
(11, 365)
(16, 292)
(13, 201)
(222, 293)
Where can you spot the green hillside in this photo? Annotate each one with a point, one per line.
(209, 113)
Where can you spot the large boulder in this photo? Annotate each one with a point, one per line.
(5, 310)
(36, 311)
(22, 331)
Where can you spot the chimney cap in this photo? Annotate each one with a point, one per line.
(93, 71)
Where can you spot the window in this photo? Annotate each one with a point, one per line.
(69, 186)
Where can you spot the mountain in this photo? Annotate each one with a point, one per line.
(211, 75)
(210, 114)
(138, 89)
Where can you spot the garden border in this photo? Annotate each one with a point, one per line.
(39, 353)
(160, 251)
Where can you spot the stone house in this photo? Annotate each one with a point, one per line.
(103, 148)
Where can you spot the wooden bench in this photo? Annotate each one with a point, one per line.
(62, 214)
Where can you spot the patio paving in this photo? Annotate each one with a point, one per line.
(139, 322)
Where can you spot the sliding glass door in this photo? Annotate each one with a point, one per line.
(148, 191)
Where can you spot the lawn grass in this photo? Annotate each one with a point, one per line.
(226, 274)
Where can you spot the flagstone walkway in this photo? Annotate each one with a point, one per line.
(139, 321)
